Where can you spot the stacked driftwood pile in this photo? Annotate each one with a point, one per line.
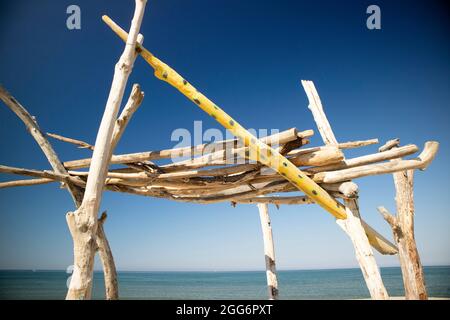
(216, 172)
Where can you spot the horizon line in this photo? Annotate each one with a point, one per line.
(222, 270)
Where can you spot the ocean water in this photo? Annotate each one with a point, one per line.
(301, 284)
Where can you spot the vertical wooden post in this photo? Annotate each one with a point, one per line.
(363, 251)
(352, 225)
(402, 226)
(83, 222)
(269, 251)
(412, 270)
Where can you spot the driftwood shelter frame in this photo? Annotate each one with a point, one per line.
(246, 183)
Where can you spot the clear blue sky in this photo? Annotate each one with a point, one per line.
(249, 57)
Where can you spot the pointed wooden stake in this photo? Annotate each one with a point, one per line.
(269, 251)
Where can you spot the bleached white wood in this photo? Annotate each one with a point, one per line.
(107, 260)
(402, 225)
(269, 251)
(363, 252)
(421, 162)
(281, 137)
(352, 225)
(367, 159)
(83, 222)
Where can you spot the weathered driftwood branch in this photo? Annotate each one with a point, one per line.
(343, 145)
(231, 177)
(421, 162)
(206, 188)
(367, 159)
(230, 154)
(61, 177)
(103, 248)
(348, 189)
(72, 184)
(391, 220)
(277, 200)
(269, 251)
(133, 103)
(357, 143)
(322, 156)
(209, 182)
(39, 137)
(315, 154)
(315, 106)
(352, 225)
(183, 191)
(279, 138)
(83, 222)
(79, 143)
(357, 229)
(402, 226)
(201, 186)
(389, 145)
(107, 259)
(25, 182)
(204, 149)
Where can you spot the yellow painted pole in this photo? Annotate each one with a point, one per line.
(258, 151)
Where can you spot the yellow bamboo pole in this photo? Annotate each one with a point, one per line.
(258, 151)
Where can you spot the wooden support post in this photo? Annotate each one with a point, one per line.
(83, 222)
(269, 251)
(352, 225)
(409, 256)
(107, 259)
(402, 226)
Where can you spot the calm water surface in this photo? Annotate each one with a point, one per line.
(302, 284)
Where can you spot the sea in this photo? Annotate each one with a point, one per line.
(293, 284)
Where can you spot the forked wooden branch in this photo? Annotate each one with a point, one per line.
(83, 222)
(72, 183)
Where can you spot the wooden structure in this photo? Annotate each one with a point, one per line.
(245, 170)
